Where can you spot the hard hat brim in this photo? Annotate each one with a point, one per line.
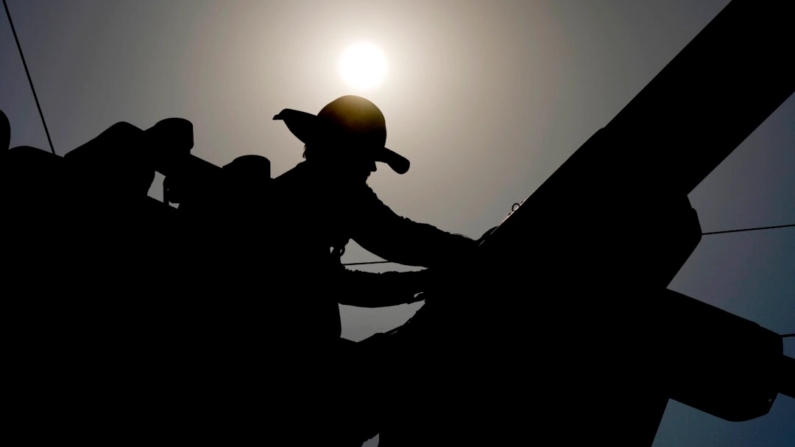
(306, 126)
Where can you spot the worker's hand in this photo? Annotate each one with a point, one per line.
(486, 234)
(440, 278)
(455, 270)
(421, 280)
(418, 297)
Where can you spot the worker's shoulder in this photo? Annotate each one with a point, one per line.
(297, 171)
(293, 180)
(366, 196)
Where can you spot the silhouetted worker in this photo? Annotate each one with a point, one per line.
(329, 203)
(323, 202)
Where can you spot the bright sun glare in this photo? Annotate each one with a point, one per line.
(363, 66)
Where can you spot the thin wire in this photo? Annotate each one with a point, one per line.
(703, 234)
(19, 47)
(371, 262)
(787, 335)
(52, 148)
(749, 229)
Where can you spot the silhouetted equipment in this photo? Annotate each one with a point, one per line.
(563, 328)
(593, 250)
(120, 306)
(5, 133)
(30, 81)
(717, 362)
(786, 373)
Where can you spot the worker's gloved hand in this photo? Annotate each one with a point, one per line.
(458, 268)
(442, 277)
(419, 281)
(367, 289)
(414, 284)
(465, 257)
(418, 297)
(486, 234)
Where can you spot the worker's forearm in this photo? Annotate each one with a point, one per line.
(365, 289)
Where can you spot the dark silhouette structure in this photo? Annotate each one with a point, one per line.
(616, 217)
(5, 132)
(133, 319)
(248, 277)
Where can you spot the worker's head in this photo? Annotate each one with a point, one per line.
(348, 136)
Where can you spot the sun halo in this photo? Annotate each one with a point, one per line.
(363, 66)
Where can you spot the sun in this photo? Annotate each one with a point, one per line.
(363, 66)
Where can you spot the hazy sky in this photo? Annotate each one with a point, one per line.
(486, 98)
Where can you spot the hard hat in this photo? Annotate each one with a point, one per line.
(349, 121)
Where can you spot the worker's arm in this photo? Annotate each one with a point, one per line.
(366, 289)
(379, 230)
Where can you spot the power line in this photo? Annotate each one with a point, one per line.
(52, 148)
(703, 234)
(371, 262)
(749, 229)
(787, 335)
(27, 72)
(49, 140)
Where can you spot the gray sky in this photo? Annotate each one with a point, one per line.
(486, 98)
